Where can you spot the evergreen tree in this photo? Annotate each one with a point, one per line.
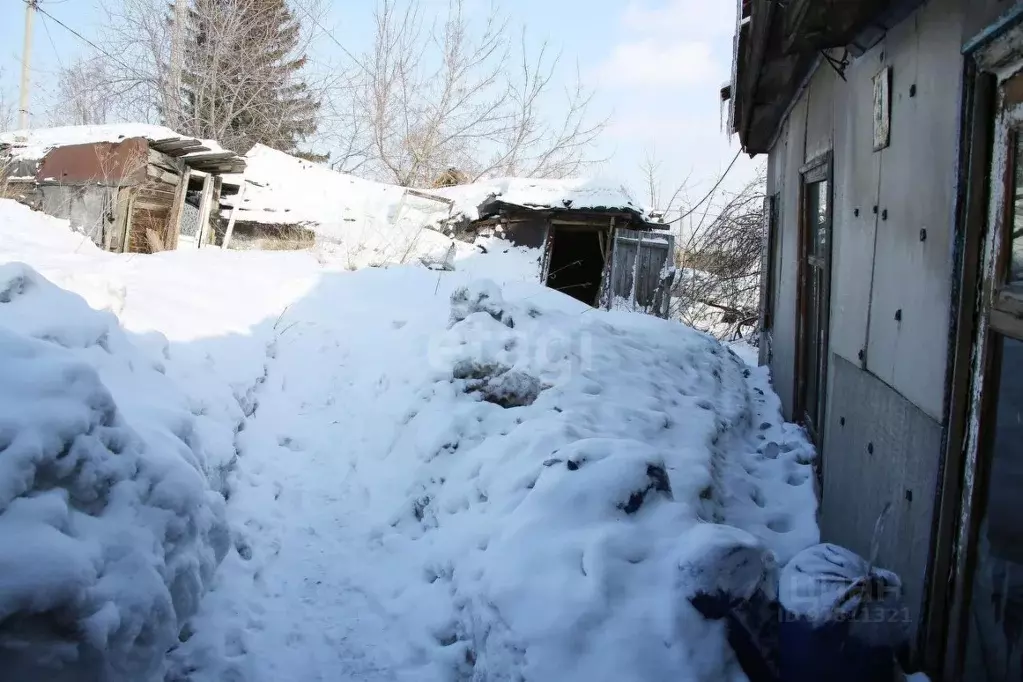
(241, 75)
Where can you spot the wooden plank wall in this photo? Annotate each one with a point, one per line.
(154, 203)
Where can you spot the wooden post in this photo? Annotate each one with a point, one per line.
(234, 216)
(205, 204)
(218, 183)
(178, 209)
(128, 215)
(635, 269)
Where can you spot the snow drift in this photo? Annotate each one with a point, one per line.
(109, 532)
(432, 476)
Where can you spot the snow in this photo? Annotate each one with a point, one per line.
(579, 193)
(109, 530)
(425, 475)
(35, 143)
(363, 222)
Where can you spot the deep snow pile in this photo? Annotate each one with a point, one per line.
(109, 531)
(435, 477)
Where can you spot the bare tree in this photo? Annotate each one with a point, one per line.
(718, 257)
(650, 167)
(463, 92)
(458, 96)
(85, 95)
(7, 110)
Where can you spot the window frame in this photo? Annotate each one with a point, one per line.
(1007, 297)
(817, 170)
(771, 237)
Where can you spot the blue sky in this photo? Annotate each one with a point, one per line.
(656, 67)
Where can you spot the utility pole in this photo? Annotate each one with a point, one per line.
(26, 53)
(177, 58)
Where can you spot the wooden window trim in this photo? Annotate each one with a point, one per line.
(818, 169)
(978, 357)
(771, 203)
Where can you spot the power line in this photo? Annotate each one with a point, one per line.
(709, 194)
(49, 37)
(76, 34)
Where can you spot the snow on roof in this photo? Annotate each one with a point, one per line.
(34, 144)
(284, 189)
(577, 193)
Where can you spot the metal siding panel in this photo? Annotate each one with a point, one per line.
(820, 114)
(791, 146)
(902, 469)
(107, 163)
(912, 277)
(856, 171)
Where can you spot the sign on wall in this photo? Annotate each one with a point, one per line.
(882, 108)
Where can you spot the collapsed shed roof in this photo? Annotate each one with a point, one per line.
(201, 155)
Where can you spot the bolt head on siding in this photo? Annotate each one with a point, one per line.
(923, 235)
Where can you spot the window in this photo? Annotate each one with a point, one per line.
(1015, 224)
(995, 643)
(815, 295)
(771, 261)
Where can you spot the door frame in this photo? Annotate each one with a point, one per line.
(981, 213)
(820, 168)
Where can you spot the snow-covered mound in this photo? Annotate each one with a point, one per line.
(366, 222)
(437, 476)
(109, 531)
(284, 189)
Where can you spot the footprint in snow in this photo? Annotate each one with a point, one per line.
(796, 479)
(289, 443)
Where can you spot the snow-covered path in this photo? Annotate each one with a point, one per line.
(507, 486)
(338, 544)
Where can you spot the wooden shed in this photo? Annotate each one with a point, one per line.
(138, 193)
(607, 257)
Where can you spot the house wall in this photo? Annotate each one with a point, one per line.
(891, 280)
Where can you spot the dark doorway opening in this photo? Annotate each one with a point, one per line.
(576, 263)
